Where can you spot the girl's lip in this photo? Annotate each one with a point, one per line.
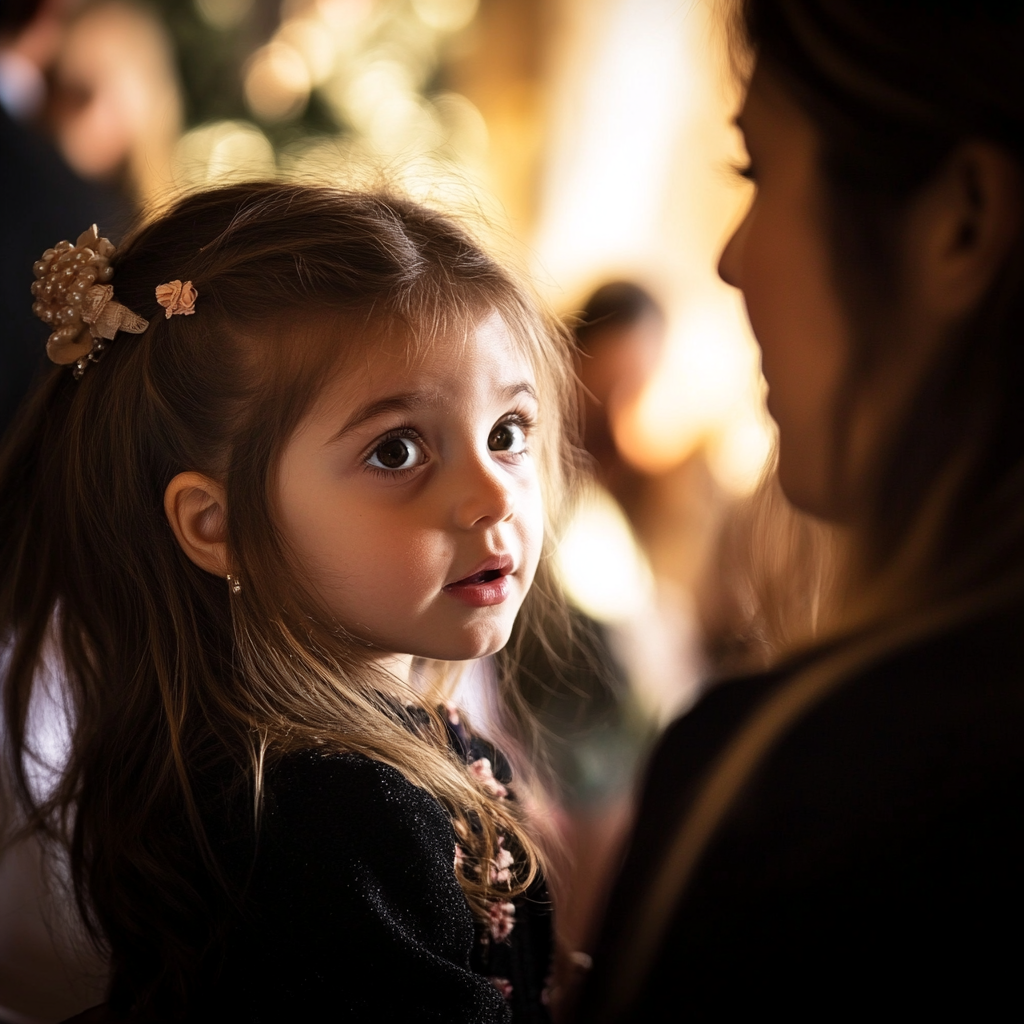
(488, 583)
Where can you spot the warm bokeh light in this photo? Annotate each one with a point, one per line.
(446, 15)
(277, 82)
(708, 391)
(600, 564)
(638, 186)
(464, 130)
(222, 152)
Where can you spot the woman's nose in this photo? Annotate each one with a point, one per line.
(483, 495)
(730, 263)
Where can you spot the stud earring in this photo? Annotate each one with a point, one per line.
(234, 583)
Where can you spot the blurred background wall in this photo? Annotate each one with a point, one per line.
(595, 132)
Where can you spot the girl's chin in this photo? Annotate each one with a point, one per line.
(479, 644)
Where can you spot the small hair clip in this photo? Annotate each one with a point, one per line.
(177, 297)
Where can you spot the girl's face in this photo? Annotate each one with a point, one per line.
(779, 259)
(410, 496)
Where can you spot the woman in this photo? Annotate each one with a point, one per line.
(843, 835)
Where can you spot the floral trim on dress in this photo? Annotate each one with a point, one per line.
(502, 913)
(482, 770)
(504, 986)
(515, 932)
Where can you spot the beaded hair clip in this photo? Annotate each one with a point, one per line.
(73, 295)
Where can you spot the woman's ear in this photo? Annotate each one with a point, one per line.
(961, 229)
(196, 508)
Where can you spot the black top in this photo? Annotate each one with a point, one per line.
(352, 911)
(872, 861)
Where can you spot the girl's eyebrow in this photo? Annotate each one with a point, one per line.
(520, 387)
(393, 403)
(417, 399)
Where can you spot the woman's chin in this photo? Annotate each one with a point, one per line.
(806, 487)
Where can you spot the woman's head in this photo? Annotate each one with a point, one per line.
(881, 262)
(357, 423)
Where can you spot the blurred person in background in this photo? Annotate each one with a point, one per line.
(621, 336)
(601, 687)
(621, 339)
(841, 836)
(43, 198)
(116, 108)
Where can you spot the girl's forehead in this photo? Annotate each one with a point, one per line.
(478, 359)
(428, 351)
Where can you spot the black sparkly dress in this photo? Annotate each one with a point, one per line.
(353, 911)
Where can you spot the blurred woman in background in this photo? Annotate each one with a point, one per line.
(845, 832)
(116, 111)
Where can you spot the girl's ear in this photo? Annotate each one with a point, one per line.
(196, 507)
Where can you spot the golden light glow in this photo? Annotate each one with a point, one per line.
(740, 451)
(344, 18)
(221, 152)
(277, 82)
(446, 15)
(708, 391)
(377, 85)
(311, 39)
(638, 188)
(601, 567)
(463, 127)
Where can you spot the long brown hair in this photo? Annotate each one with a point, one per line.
(892, 89)
(172, 681)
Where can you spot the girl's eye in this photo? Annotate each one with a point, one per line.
(507, 437)
(397, 453)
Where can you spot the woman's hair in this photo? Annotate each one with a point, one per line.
(892, 88)
(178, 690)
(768, 589)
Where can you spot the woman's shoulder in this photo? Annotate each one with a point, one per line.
(947, 709)
(902, 737)
(883, 815)
(967, 671)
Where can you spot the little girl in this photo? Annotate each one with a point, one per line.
(314, 449)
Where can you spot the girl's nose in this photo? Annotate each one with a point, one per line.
(483, 495)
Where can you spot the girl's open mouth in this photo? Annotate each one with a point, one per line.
(488, 585)
(481, 577)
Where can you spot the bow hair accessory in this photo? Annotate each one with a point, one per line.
(176, 297)
(73, 294)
